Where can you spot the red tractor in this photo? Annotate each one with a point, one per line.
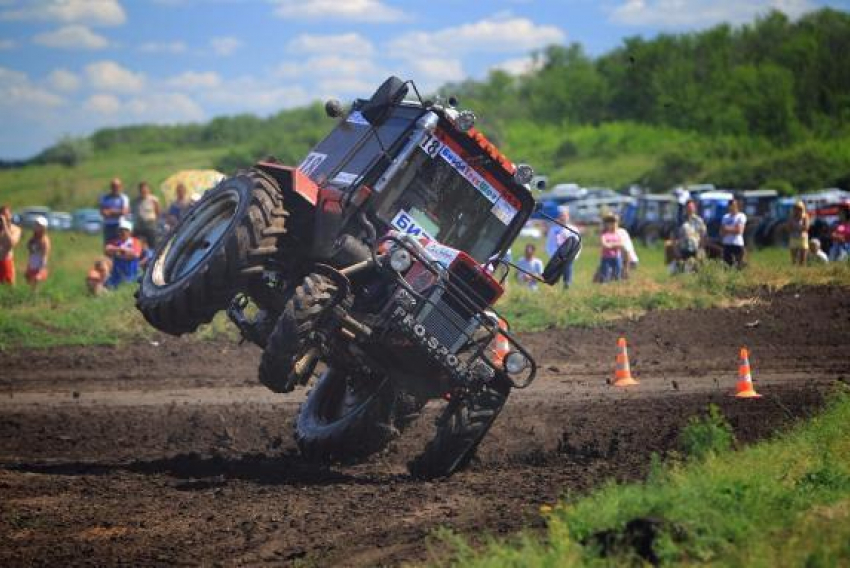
(374, 261)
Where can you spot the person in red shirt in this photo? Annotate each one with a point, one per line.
(10, 235)
(840, 249)
(124, 252)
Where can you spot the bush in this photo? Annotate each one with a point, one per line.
(709, 435)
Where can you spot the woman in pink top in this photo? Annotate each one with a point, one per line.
(611, 263)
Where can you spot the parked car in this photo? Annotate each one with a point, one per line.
(589, 211)
(60, 221)
(87, 221)
(561, 194)
(26, 215)
(652, 217)
(757, 205)
(712, 205)
(772, 230)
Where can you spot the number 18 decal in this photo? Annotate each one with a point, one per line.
(431, 144)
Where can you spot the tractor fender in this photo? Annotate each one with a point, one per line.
(301, 195)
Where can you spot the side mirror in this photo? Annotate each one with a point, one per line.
(565, 254)
(390, 93)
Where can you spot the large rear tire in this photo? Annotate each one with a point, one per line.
(345, 418)
(208, 256)
(460, 429)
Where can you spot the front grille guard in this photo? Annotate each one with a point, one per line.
(463, 294)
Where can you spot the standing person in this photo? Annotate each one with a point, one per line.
(38, 248)
(124, 252)
(531, 265)
(840, 249)
(178, 207)
(10, 235)
(146, 213)
(611, 261)
(556, 236)
(690, 238)
(798, 229)
(113, 206)
(732, 232)
(630, 258)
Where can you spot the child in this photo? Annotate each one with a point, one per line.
(798, 228)
(96, 279)
(38, 248)
(816, 255)
(611, 263)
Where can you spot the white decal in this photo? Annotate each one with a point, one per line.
(431, 144)
(405, 223)
(312, 162)
(357, 118)
(504, 211)
(344, 178)
(441, 253)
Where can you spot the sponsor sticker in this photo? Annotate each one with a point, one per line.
(406, 224)
(441, 253)
(357, 118)
(344, 178)
(312, 162)
(504, 211)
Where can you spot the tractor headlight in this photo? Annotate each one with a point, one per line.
(465, 120)
(523, 174)
(400, 260)
(516, 363)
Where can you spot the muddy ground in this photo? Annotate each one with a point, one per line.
(168, 452)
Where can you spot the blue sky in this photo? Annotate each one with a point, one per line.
(72, 66)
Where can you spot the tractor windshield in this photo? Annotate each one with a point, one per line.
(440, 196)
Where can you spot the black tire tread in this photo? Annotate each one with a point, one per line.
(288, 339)
(197, 300)
(460, 429)
(351, 438)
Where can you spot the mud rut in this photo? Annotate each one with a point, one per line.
(170, 453)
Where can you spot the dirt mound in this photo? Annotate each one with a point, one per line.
(171, 453)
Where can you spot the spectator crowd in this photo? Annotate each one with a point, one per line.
(131, 230)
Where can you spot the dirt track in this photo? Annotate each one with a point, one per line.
(171, 453)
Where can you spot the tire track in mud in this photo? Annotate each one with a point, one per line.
(180, 459)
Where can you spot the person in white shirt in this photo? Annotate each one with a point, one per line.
(556, 236)
(732, 233)
(816, 255)
(630, 257)
(530, 264)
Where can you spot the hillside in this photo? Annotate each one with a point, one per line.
(762, 105)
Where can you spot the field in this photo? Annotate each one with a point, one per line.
(166, 451)
(121, 445)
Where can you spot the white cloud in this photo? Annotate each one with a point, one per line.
(225, 45)
(194, 80)
(165, 108)
(63, 80)
(492, 35)
(678, 13)
(18, 93)
(347, 44)
(103, 103)
(72, 37)
(430, 70)
(163, 47)
(110, 76)
(250, 94)
(518, 65)
(88, 12)
(7, 44)
(341, 86)
(354, 10)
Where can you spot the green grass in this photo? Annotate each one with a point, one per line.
(784, 502)
(61, 313)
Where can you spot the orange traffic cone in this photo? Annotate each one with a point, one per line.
(745, 388)
(622, 372)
